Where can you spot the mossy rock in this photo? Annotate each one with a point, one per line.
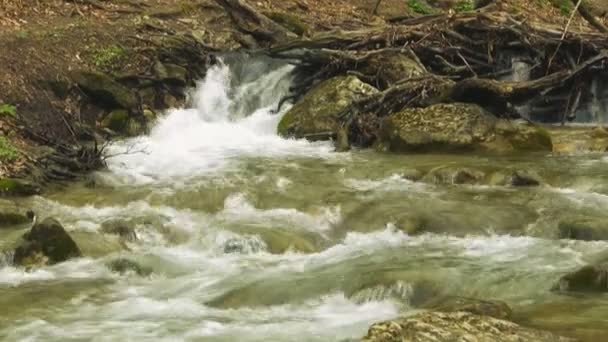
(590, 278)
(171, 73)
(458, 127)
(17, 187)
(315, 113)
(46, 243)
(105, 91)
(392, 66)
(11, 215)
(290, 22)
(454, 175)
(583, 228)
(116, 120)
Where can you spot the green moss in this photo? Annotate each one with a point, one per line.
(290, 22)
(418, 6)
(8, 110)
(8, 185)
(117, 120)
(7, 151)
(464, 6)
(108, 56)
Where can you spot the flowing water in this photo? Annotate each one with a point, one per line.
(246, 236)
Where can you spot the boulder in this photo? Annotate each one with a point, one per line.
(455, 326)
(458, 127)
(171, 73)
(46, 243)
(583, 228)
(392, 66)
(121, 228)
(590, 278)
(315, 114)
(492, 308)
(105, 91)
(11, 214)
(454, 175)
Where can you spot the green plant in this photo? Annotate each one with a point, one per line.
(7, 109)
(108, 56)
(7, 151)
(418, 6)
(464, 6)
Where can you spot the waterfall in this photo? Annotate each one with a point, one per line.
(232, 115)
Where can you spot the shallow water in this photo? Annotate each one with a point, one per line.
(251, 237)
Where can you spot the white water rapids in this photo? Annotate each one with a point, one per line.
(251, 237)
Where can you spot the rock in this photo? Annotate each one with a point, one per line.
(116, 120)
(105, 91)
(121, 228)
(290, 22)
(583, 228)
(46, 243)
(18, 187)
(410, 224)
(524, 178)
(411, 175)
(590, 278)
(342, 144)
(391, 67)
(458, 127)
(171, 73)
(315, 113)
(11, 215)
(493, 308)
(454, 175)
(455, 326)
(123, 265)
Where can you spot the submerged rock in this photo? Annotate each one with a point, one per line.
(454, 175)
(46, 243)
(120, 227)
(11, 215)
(123, 265)
(458, 127)
(583, 228)
(455, 326)
(590, 278)
(315, 114)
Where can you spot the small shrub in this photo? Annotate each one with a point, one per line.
(7, 109)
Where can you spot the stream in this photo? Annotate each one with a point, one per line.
(246, 236)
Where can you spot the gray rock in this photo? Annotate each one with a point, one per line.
(590, 278)
(120, 227)
(583, 228)
(316, 112)
(454, 175)
(455, 326)
(105, 91)
(458, 127)
(123, 265)
(11, 215)
(46, 243)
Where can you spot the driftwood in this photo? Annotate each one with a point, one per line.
(466, 57)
